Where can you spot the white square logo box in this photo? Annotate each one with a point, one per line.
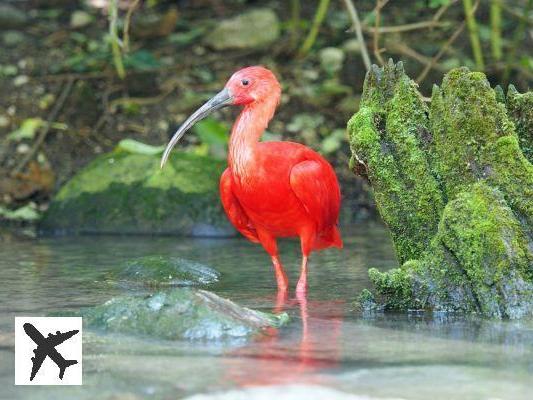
(47, 347)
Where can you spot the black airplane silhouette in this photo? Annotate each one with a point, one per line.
(46, 347)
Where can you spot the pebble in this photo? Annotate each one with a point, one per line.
(80, 19)
(21, 80)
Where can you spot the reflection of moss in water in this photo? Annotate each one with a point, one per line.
(128, 193)
(455, 191)
(180, 314)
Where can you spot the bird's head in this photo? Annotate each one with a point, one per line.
(248, 86)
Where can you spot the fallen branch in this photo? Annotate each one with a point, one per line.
(127, 22)
(352, 12)
(42, 136)
(377, 11)
(407, 27)
(440, 53)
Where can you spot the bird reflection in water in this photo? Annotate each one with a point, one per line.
(293, 354)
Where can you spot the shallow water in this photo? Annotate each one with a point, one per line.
(327, 343)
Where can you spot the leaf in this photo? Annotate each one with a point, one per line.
(333, 142)
(215, 135)
(185, 38)
(141, 60)
(24, 213)
(211, 131)
(135, 147)
(438, 3)
(27, 129)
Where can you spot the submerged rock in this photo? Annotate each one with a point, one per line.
(455, 190)
(180, 314)
(253, 29)
(165, 271)
(126, 192)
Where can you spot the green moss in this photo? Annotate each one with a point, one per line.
(477, 255)
(386, 139)
(490, 251)
(179, 314)
(395, 286)
(124, 192)
(520, 108)
(465, 120)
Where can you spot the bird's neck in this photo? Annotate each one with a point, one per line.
(245, 135)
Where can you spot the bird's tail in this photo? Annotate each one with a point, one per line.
(64, 366)
(329, 237)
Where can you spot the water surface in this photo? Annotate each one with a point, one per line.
(327, 342)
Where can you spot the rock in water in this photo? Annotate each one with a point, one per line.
(154, 271)
(254, 29)
(455, 190)
(126, 192)
(180, 314)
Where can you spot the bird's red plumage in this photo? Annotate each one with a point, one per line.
(271, 189)
(276, 189)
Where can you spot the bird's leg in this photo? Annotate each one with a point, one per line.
(281, 276)
(301, 287)
(307, 236)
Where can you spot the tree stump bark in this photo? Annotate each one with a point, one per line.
(455, 188)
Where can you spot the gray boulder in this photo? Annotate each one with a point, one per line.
(254, 29)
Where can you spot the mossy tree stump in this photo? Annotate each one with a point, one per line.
(452, 182)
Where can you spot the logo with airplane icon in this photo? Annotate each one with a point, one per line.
(42, 357)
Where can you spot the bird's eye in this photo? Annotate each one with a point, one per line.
(245, 82)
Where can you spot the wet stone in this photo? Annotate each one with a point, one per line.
(186, 314)
(155, 271)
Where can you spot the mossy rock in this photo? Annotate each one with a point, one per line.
(180, 314)
(520, 106)
(158, 271)
(126, 192)
(455, 189)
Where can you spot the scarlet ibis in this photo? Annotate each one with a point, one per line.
(271, 190)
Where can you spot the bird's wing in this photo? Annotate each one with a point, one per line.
(234, 210)
(315, 184)
(37, 361)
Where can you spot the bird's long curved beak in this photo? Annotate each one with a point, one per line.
(221, 99)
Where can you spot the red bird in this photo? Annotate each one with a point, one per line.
(271, 190)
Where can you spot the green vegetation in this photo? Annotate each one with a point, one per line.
(125, 192)
(78, 79)
(455, 190)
